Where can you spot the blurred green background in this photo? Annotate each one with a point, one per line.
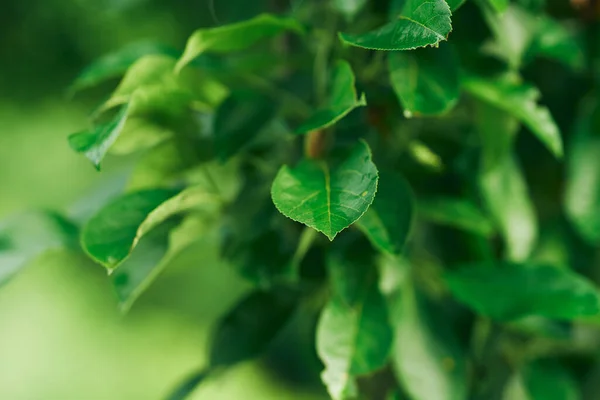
(61, 334)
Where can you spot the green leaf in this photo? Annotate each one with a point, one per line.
(326, 196)
(504, 191)
(582, 195)
(354, 335)
(555, 41)
(388, 221)
(111, 235)
(349, 8)
(457, 213)
(239, 119)
(115, 64)
(246, 331)
(514, 291)
(189, 385)
(497, 130)
(233, 37)
(420, 23)
(27, 236)
(499, 5)
(520, 101)
(455, 4)
(425, 80)
(546, 380)
(342, 101)
(427, 363)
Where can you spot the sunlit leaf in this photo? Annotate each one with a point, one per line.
(342, 101)
(419, 23)
(514, 291)
(520, 101)
(327, 196)
(425, 80)
(26, 236)
(457, 213)
(236, 36)
(388, 221)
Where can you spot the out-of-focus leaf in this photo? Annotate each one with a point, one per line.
(497, 130)
(115, 64)
(326, 196)
(388, 221)
(555, 41)
(504, 191)
(342, 101)
(349, 8)
(112, 234)
(520, 101)
(455, 4)
(354, 335)
(509, 291)
(236, 36)
(425, 80)
(582, 195)
(546, 380)
(499, 5)
(239, 119)
(187, 387)
(251, 325)
(28, 235)
(457, 213)
(420, 24)
(427, 362)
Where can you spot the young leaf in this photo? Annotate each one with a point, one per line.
(428, 364)
(388, 221)
(582, 195)
(236, 36)
(342, 101)
(354, 335)
(420, 23)
(239, 119)
(457, 213)
(112, 234)
(518, 100)
(513, 291)
(26, 236)
(251, 325)
(504, 191)
(425, 80)
(328, 197)
(114, 64)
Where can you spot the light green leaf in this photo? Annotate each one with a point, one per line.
(504, 191)
(425, 80)
(236, 36)
(497, 130)
(499, 5)
(354, 335)
(514, 291)
(388, 221)
(326, 196)
(239, 119)
(420, 23)
(27, 236)
(112, 234)
(582, 195)
(349, 8)
(342, 101)
(457, 213)
(115, 64)
(427, 363)
(520, 101)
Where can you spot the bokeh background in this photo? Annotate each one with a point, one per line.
(61, 334)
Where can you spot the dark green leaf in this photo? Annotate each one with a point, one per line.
(388, 221)
(519, 100)
(420, 23)
(26, 236)
(504, 191)
(342, 101)
(510, 291)
(327, 197)
(455, 4)
(425, 80)
(239, 119)
(115, 64)
(457, 213)
(546, 380)
(555, 41)
(236, 36)
(251, 325)
(582, 195)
